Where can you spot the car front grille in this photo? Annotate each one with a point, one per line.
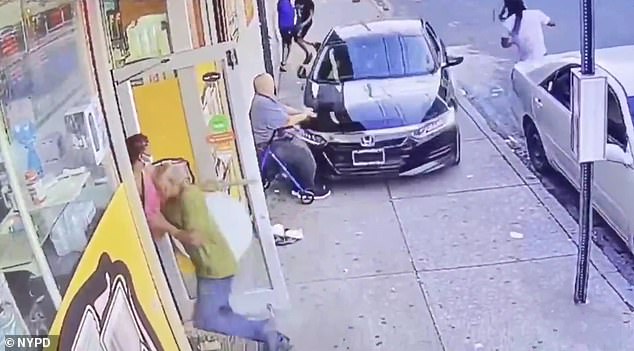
(349, 147)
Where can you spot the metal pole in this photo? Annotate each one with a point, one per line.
(266, 39)
(586, 168)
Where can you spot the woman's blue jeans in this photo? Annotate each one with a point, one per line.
(214, 313)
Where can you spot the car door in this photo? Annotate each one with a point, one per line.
(551, 108)
(446, 88)
(614, 181)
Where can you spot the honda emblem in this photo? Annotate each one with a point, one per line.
(367, 141)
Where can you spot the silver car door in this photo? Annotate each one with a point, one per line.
(551, 105)
(615, 181)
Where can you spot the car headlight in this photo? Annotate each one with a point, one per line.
(434, 125)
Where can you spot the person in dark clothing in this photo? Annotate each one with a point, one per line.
(510, 8)
(304, 12)
(286, 25)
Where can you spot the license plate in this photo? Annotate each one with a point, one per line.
(368, 157)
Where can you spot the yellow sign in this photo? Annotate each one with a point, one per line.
(112, 302)
(249, 11)
(215, 102)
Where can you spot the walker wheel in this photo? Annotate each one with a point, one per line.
(307, 197)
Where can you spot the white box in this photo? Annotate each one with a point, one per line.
(87, 126)
(589, 129)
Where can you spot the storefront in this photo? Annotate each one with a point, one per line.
(75, 249)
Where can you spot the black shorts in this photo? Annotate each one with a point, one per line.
(302, 31)
(287, 36)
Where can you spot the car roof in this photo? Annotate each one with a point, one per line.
(409, 27)
(615, 60)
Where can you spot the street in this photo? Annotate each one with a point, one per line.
(473, 30)
(479, 256)
(48, 75)
(473, 26)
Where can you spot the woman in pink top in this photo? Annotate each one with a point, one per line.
(139, 152)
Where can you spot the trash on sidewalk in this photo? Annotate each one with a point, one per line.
(516, 235)
(286, 236)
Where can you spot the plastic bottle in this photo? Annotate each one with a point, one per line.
(34, 187)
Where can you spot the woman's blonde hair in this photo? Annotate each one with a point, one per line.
(172, 172)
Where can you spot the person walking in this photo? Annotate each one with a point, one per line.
(525, 29)
(512, 7)
(286, 26)
(304, 12)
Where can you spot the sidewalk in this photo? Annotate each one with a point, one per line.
(476, 257)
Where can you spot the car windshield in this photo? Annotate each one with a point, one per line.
(375, 58)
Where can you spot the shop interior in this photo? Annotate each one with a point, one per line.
(57, 169)
(56, 158)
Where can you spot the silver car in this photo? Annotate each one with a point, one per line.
(542, 92)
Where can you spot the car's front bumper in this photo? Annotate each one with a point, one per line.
(403, 156)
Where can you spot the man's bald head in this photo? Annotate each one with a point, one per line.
(264, 84)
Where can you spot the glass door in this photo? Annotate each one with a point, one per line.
(184, 103)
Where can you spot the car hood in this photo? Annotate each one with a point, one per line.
(372, 104)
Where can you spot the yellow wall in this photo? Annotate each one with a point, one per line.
(105, 265)
(161, 117)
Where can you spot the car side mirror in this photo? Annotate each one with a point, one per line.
(614, 153)
(454, 61)
(302, 73)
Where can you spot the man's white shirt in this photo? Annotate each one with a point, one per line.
(530, 37)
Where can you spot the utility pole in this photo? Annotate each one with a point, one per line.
(589, 138)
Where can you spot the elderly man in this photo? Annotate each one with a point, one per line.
(267, 115)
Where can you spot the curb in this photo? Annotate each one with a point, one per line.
(557, 212)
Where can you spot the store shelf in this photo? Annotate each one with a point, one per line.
(63, 191)
(15, 251)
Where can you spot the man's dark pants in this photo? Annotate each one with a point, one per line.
(296, 157)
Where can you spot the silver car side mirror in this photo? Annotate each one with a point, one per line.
(614, 153)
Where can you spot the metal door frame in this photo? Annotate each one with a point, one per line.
(184, 62)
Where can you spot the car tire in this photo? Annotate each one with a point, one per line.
(535, 148)
(458, 150)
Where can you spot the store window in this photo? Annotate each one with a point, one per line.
(137, 29)
(57, 151)
(226, 20)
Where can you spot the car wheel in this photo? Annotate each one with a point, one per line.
(536, 152)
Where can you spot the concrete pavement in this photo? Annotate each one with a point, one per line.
(475, 257)
(472, 31)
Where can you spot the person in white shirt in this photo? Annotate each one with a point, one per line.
(529, 38)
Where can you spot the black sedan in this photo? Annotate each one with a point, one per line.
(384, 100)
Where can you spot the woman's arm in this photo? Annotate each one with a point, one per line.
(503, 13)
(159, 226)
